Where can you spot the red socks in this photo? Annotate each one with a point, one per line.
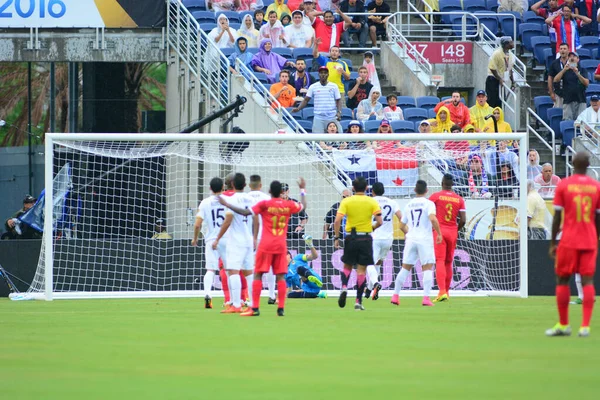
(589, 295)
(563, 293)
(225, 285)
(448, 275)
(440, 275)
(256, 289)
(281, 292)
(244, 287)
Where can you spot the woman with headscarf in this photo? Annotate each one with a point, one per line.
(370, 108)
(223, 35)
(369, 64)
(533, 164)
(248, 31)
(268, 62)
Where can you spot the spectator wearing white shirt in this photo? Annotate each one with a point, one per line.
(547, 181)
(297, 34)
(223, 35)
(591, 115)
(392, 112)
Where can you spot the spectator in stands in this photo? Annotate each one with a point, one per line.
(500, 68)
(455, 129)
(248, 31)
(333, 128)
(477, 180)
(259, 19)
(507, 182)
(479, 111)
(285, 20)
(359, 88)
(392, 112)
(591, 115)
(442, 122)
(327, 30)
(459, 113)
(588, 8)
(310, 8)
(160, 230)
(574, 85)
(555, 87)
(547, 181)
(597, 72)
(536, 213)
(298, 221)
(425, 126)
(269, 63)
(283, 91)
(280, 8)
(370, 108)
(508, 157)
(338, 68)
(497, 124)
(355, 128)
(273, 30)
(566, 25)
(249, 5)
(546, 12)
(384, 127)
(301, 78)
(299, 35)
(513, 5)
(223, 35)
(15, 229)
(533, 164)
(359, 23)
(221, 5)
(379, 11)
(241, 53)
(369, 63)
(328, 101)
(330, 216)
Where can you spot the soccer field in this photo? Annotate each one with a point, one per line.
(470, 348)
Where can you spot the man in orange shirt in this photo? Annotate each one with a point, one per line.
(283, 91)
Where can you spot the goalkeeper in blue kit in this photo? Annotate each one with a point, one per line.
(302, 281)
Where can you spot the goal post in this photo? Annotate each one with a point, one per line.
(122, 184)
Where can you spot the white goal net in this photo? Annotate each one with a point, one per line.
(121, 222)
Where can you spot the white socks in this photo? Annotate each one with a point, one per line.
(400, 279)
(249, 279)
(271, 284)
(579, 286)
(427, 282)
(372, 276)
(235, 288)
(209, 278)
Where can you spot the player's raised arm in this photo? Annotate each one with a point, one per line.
(197, 227)
(302, 186)
(235, 209)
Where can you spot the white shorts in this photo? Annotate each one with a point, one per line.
(414, 251)
(381, 248)
(241, 258)
(212, 256)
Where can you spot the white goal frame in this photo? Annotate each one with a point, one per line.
(50, 138)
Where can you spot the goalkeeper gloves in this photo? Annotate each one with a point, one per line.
(308, 240)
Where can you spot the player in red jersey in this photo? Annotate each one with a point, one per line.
(448, 206)
(272, 249)
(578, 198)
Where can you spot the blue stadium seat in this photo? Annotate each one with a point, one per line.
(383, 101)
(308, 113)
(593, 89)
(491, 5)
(296, 115)
(228, 51)
(589, 42)
(548, 55)
(371, 126)
(474, 5)
(344, 123)
(208, 26)
(584, 54)
(589, 66)
(554, 117)
(567, 130)
(204, 16)
(261, 76)
(307, 125)
(252, 50)
(489, 21)
(242, 14)
(415, 114)
(538, 43)
(507, 23)
(528, 31)
(347, 114)
(353, 75)
(530, 17)
(284, 52)
(347, 61)
(302, 52)
(194, 5)
(427, 102)
(470, 27)
(267, 3)
(233, 16)
(403, 126)
(406, 102)
(542, 104)
(430, 113)
(449, 6)
(235, 25)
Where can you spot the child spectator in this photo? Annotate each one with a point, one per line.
(392, 112)
(369, 63)
(259, 19)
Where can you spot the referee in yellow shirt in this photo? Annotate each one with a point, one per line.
(358, 248)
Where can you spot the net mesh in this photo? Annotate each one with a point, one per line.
(127, 219)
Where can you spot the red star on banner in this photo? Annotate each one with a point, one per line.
(398, 181)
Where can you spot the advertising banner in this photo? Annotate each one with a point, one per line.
(82, 13)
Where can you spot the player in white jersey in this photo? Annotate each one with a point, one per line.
(418, 219)
(256, 193)
(240, 251)
(383, 237)
(212, 214)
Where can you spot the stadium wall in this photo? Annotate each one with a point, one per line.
(20, 258)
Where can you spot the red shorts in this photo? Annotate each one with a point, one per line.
(445, 250)
(570, 261)
(264, 261)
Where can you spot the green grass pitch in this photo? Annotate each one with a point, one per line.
(471, 348)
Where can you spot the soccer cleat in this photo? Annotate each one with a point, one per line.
(246, 303)
(441, 298)
(227, 304)
(322, 295)
(232, 310)
(559, 330)
(342, 299)
(280, 312)
(359, 307)
(308, 240)
(315, 280)
(376, 289)
(577, 301)
(367, 293)
(251, 312)
(207, 302)
(395, 300)
(427, 302)
(272, 300)
(584, 331)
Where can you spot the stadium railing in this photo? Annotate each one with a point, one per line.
(533, 118)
